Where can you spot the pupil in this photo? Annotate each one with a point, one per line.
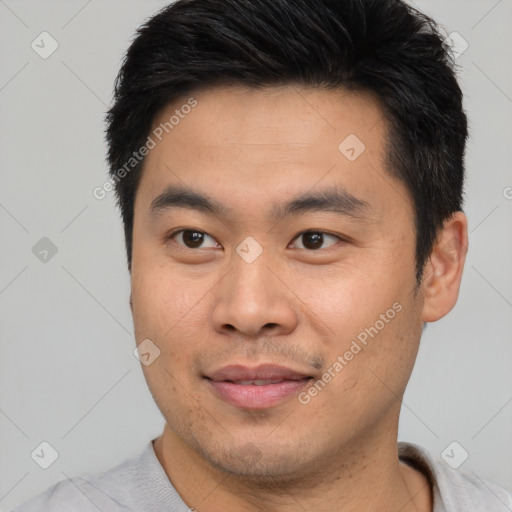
(311, 240)
(192, 238)
(316, 239)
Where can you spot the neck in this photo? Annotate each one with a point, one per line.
(368, 476)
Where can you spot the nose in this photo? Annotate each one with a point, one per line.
(254, 300)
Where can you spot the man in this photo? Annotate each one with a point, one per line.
(290, 175)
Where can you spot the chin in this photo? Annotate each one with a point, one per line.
(263, 464)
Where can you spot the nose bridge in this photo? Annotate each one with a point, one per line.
(250, 297)
(251, 279)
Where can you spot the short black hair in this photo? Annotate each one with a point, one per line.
(385, 47)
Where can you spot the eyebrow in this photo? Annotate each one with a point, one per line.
(331, 199)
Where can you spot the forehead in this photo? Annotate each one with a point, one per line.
(265, 143)
(292, 114)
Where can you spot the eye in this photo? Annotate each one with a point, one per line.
(191, 238)
(313, 240)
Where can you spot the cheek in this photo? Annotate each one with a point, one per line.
(374, 327)
(373, 376)
(164, 299)
(167, 308)
(349, 299)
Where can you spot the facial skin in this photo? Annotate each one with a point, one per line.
(206, 307)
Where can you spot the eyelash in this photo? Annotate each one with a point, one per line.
(311, 230)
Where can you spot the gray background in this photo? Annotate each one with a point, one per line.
(68, 374)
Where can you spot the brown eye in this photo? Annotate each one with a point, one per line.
(313, 240)
(191, 238)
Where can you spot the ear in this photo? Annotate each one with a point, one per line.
(131, 302)
(443, 271)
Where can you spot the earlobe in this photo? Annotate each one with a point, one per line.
(443, 271)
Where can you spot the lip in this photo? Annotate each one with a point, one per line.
(238, 372)
(226, 384)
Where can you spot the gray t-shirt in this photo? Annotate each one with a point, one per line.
(140, 484)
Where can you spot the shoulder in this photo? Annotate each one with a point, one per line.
(453, 489)
(468, 491)
(112, 490)
(73, 495)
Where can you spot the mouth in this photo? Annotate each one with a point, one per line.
(260, 387)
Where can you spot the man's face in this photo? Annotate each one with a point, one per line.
(242, 288)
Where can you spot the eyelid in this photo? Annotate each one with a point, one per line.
(173, 234)
(321, 231)
(317, 230)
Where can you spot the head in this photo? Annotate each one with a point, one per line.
(236, 127)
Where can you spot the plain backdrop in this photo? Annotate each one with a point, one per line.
(68, 373)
